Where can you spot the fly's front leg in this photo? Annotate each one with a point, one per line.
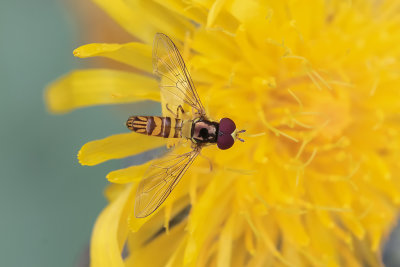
(197, 113)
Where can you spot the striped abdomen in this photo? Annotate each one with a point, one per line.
(156, 126)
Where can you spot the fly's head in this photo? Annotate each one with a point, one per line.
(227, 134)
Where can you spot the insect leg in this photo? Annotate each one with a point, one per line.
(178, 109)
(196, 112)
(166, 105)
(209, 161)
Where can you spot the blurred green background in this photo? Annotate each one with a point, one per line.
(48, 202)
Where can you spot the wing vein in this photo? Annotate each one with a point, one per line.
(174, 77)
(160, 179)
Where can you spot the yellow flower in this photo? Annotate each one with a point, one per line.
(315, 83)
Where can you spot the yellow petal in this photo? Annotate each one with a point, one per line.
(243, 10)
(116, 147)
(353, 223)
(83, 88)
(110, 231)
(189, 10)
(137, 55)
(178, 253)
(131, 21)
(222, 48)
(249, 241)
(136, 223)
(146, 249)
(293, 227)
(225, 242)
(216, 8)
(112, 191)
(143, 19)
(127, 175)
(216, 192)
(265, 236)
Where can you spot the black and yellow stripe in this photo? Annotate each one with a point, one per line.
(156, 126)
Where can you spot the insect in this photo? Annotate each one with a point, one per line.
(177, 95)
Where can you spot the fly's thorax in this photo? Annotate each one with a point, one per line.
(187, 129)
(204, 131)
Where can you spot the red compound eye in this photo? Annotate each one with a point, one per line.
(225, 139)
(226, 126)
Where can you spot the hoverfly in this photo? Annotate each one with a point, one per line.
(177, 94)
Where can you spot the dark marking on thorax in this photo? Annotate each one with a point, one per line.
(204, 131)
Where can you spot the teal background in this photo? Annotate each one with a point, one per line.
(48, 202)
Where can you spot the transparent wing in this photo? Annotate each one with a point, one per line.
(177, 88)
(160, 179)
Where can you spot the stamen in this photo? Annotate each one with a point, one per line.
(310, 159)
(335, 209)
(302, 124)
(221, 29)
(321, 79)
(273, 129)
(241, 171)
(296, 98)
(341, 83)
(256, 135)
(314, 81)
(304, 165)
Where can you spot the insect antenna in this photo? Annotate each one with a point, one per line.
(237, 137)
